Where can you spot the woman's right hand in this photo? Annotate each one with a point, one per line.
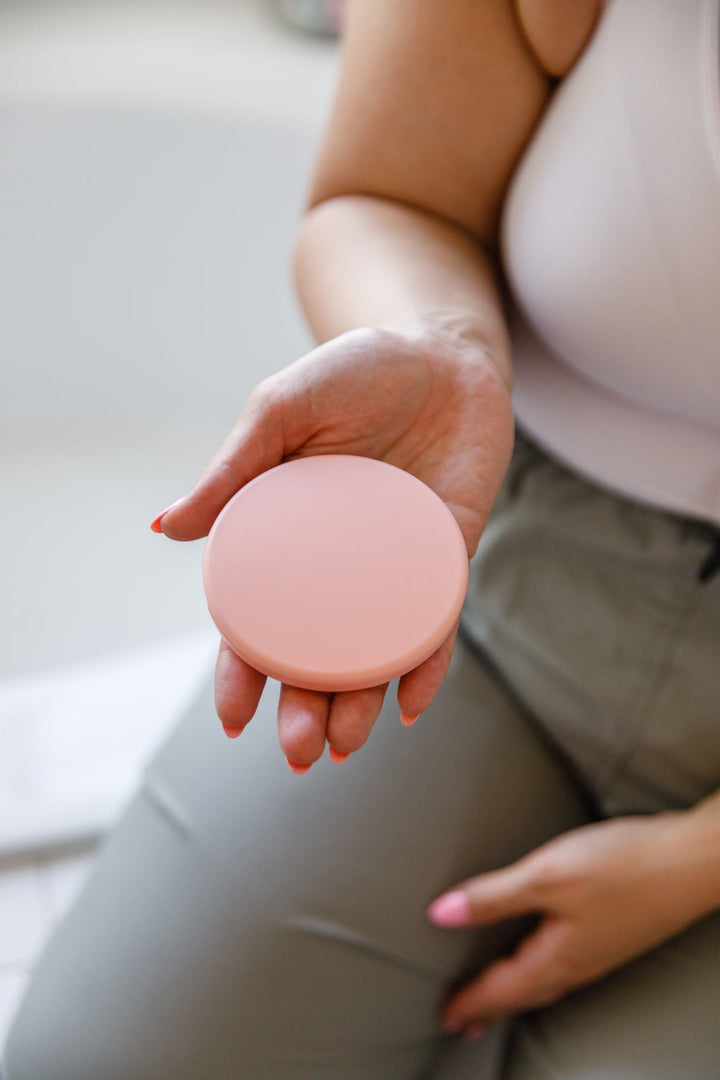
(424, 399)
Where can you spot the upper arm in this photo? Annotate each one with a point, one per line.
(558, 30)
(436, 101)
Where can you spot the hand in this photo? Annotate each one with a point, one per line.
(605, 893)
(420, 400)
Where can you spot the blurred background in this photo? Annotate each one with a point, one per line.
(154, 159)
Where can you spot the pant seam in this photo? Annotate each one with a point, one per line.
(645, 707)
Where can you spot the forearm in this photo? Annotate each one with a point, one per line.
(363, 261)
(697, 846)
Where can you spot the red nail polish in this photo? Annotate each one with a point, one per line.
(299, 769)
(233, 732)
(407, 719)
(155, 525)
(336, 756)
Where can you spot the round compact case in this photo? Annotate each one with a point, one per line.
(335, 572)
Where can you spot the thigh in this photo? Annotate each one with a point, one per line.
(244, 922)
(657, 1019)
(593, 609)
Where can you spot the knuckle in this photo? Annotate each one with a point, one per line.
(263, 396)
(544, 872)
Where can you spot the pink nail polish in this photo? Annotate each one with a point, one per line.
(233, 732)
(407, 719)
(299, 769)
(336, 756)
(451, 909)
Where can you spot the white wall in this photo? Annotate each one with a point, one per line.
(155, 156)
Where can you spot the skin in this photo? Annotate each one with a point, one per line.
(605, 893)
(397, 270)
(416, 403)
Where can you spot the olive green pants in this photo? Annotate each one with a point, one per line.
(245, 923)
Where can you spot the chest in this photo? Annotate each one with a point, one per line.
(611, 232)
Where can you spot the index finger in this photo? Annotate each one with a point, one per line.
(488, 898)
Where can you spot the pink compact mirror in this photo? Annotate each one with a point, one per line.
(335, 572)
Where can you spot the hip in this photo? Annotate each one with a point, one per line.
(604, 617)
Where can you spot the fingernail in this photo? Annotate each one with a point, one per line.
(299, 769)
(407, 719)
(473, 1032)
(155, 525)
(452, 1027)
(232, 732)
(336, 756)
(452, 909)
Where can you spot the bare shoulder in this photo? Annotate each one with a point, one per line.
(557, 31)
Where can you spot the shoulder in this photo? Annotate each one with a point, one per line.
(557, 31)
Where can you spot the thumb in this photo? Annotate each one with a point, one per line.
(255, 444)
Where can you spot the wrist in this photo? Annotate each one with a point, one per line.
(694, 839)
(365, 261)
(465, 336)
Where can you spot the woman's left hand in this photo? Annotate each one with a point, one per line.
(604, 894)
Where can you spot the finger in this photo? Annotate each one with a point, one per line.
(255, 444)
(352, 715)
(535, 975)
(488, 898)
(418, 688)
(302, 724)
(238, 688)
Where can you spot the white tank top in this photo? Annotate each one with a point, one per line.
(611, 243)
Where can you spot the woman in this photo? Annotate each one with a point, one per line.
(542, 846)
